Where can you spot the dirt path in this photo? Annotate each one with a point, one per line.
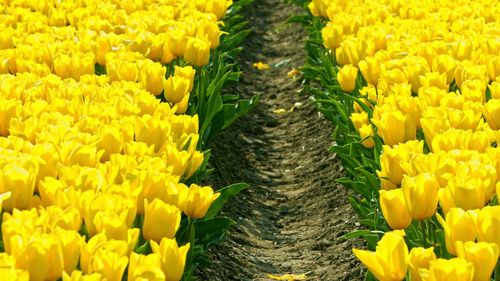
(290, 220)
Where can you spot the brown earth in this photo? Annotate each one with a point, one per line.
(292, 216)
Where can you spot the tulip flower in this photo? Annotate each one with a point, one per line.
(445, 64)
(71, 243)
(420, 258)
(177, 41)
(42, 257)
(210, 30)
(484, 257)
(160, 220)
(112, 224)
(359, 119)
(456, 269)
(434, 79)
(394, 127)
(421, 195)
(332, 36)
(366, 135)
(495, 90)
(173, 258)
(195, 200)
(492, 112)
(389, 262)
(145, 268)
(197, 52)
(488, 224)
(187, 72)
(182, 105)
(347, 78)
(468, 193)
(20, 182)
(370, 69)
(394, 208)
(176, 88)
(77, 275)
(9, 109)
(392, 161)
(152, 76)
(458, 226)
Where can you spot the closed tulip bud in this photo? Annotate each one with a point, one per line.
(366, 135)
(195, 200)
(458, 226)
(389, 262)
(176, 89)
(347, 78)
(421, 195)
(420, 258)
(341, 57)
(160, 220)
(42, 257)
(456, 269)
(482, 255)
(182, 105)
(445, 64)
(370, 69)
(173, 258)
(394, 209)
(488, 224)
(492, 113)
(197, 52)
(332, 36)
(71, 244)
(145, 268)
(194, 163)
(467, 193)
(152, 76)
(20, 181)
(187, 72)
(177, 42)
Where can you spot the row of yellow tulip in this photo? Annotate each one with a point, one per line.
(426, 79)
(92, 166)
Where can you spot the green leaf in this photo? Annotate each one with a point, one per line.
(212, 231)
(225, 194)
(144, 249)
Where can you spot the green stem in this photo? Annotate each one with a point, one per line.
(191, 234)
(497, 271)
(424, 232)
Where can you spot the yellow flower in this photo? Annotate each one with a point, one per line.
(152, 76)
(195, 200)
(110, 264)
(20, 181)
(488, 224)
(42, 257)
(176, 88)
(445, 64)
(71, 243)
(392, 161)
(182, 105)
(492, 113)
(389, 262)
(468, 192)
(209, 30)
(160, 220)
(495, 90)
(177, 41)
(347, 77)
(187, 72)
(366, 135)
(483, 255)
(143, 268)
(359, 119)
(9, 109)
(4, 196)
(456, 269)
(78, 276)
(332, 35)
(394, 127)
(458, 226)
(420, 258)
(394, 209)
(421, 195)
(370, 68)
(111, 224)
(173, 258)
(197, 52)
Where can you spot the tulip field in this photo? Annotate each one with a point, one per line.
(413, 89)
(110, 111)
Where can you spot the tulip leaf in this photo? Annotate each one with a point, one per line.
(225, 194)
(212, 231)
(144, 249)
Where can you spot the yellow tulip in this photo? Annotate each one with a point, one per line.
(456, 269)
(394, 209)
(160, 220)
(176, 88)
(359, 119)
(370, 69)
(483, 255)
(392, 161)
(434, 79)
(177, 41)
(111, 224)
(458, 226)
(182, 105)
(71, 243)
(420, 258)
(488, 224)
(209, 30)
(173, 258)
(143, 268)
(197, 52)
(394, 127)
(20, 181)
(492, 113)
(332, 36)
(495, 90)
(474, 90)
(347, 78)
(4, 196)
(421, 195)
(468, 193)
(152, 76)
(195, 200)
(366, 135)
(494, 68)
(110, 264)
(9, 109)
(445, 64)
(187, 72)
(42, 257)
(389, 262)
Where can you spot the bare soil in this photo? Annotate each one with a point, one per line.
(292, 217)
